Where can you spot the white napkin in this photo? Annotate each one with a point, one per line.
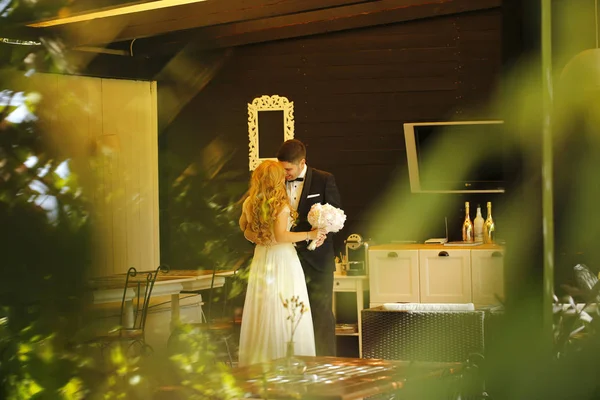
(428, 307)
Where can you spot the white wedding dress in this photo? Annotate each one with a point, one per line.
(275, 272)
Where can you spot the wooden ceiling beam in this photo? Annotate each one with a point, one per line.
(355, 16)
(187, 16)
(81, 6)
(314, 22)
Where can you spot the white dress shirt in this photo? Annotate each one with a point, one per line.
(294, 189)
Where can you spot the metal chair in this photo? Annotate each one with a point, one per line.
(133, 313)
(218, 331)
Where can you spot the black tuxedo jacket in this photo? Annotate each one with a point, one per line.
(319, 187)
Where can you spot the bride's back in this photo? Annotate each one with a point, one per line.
(250, 213)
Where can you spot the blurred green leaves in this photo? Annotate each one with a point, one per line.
(205, 205)
(45, 245)
(35, 366)
(201, 373)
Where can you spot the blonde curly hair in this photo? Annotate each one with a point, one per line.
(267, 197)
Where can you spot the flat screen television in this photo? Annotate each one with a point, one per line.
(456, 157)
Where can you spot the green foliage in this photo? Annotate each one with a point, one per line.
(45, 254)
(35, 366)
(205, 202)
(201, 374)
(45, 245)
(576, 326)
(203, 214)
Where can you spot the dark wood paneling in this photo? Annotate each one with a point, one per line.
(400, 99)
(480, 64)
(394, 113)
(340, 72)
(352, 92)
(390, 85)
(370, 38)
(347, 129)
(366, 142)
(332, 56)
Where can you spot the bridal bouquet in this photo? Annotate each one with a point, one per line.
(327, 217)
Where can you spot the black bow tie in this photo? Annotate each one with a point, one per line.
(296, 180)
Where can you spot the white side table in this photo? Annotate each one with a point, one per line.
(356, 284)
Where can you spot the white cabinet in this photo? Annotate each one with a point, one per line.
(357, 285)
(393, 276)
(435, 274)
(487, 276)
(445, 276)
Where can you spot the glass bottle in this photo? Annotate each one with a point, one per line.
(489, 228)
(290, 365)
(467, 228)
(478, 226)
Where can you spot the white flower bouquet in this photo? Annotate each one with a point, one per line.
(326, 217)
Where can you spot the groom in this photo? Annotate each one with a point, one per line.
(307, 186)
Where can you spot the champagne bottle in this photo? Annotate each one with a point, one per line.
(478, 225)
(489, 229)
(467, 228)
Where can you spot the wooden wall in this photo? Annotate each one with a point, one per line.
(108, 128)
(352, 92)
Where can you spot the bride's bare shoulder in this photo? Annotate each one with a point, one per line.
(285, 210)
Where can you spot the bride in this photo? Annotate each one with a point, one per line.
(275, 271)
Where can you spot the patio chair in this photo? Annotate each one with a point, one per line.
(218, 331)
(133, 313)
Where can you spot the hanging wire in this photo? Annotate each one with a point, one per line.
(131, 46)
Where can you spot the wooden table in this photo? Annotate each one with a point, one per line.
(338, 378)
(200, 280)
(109, 289)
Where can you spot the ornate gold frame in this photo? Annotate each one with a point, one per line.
(268, 103)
